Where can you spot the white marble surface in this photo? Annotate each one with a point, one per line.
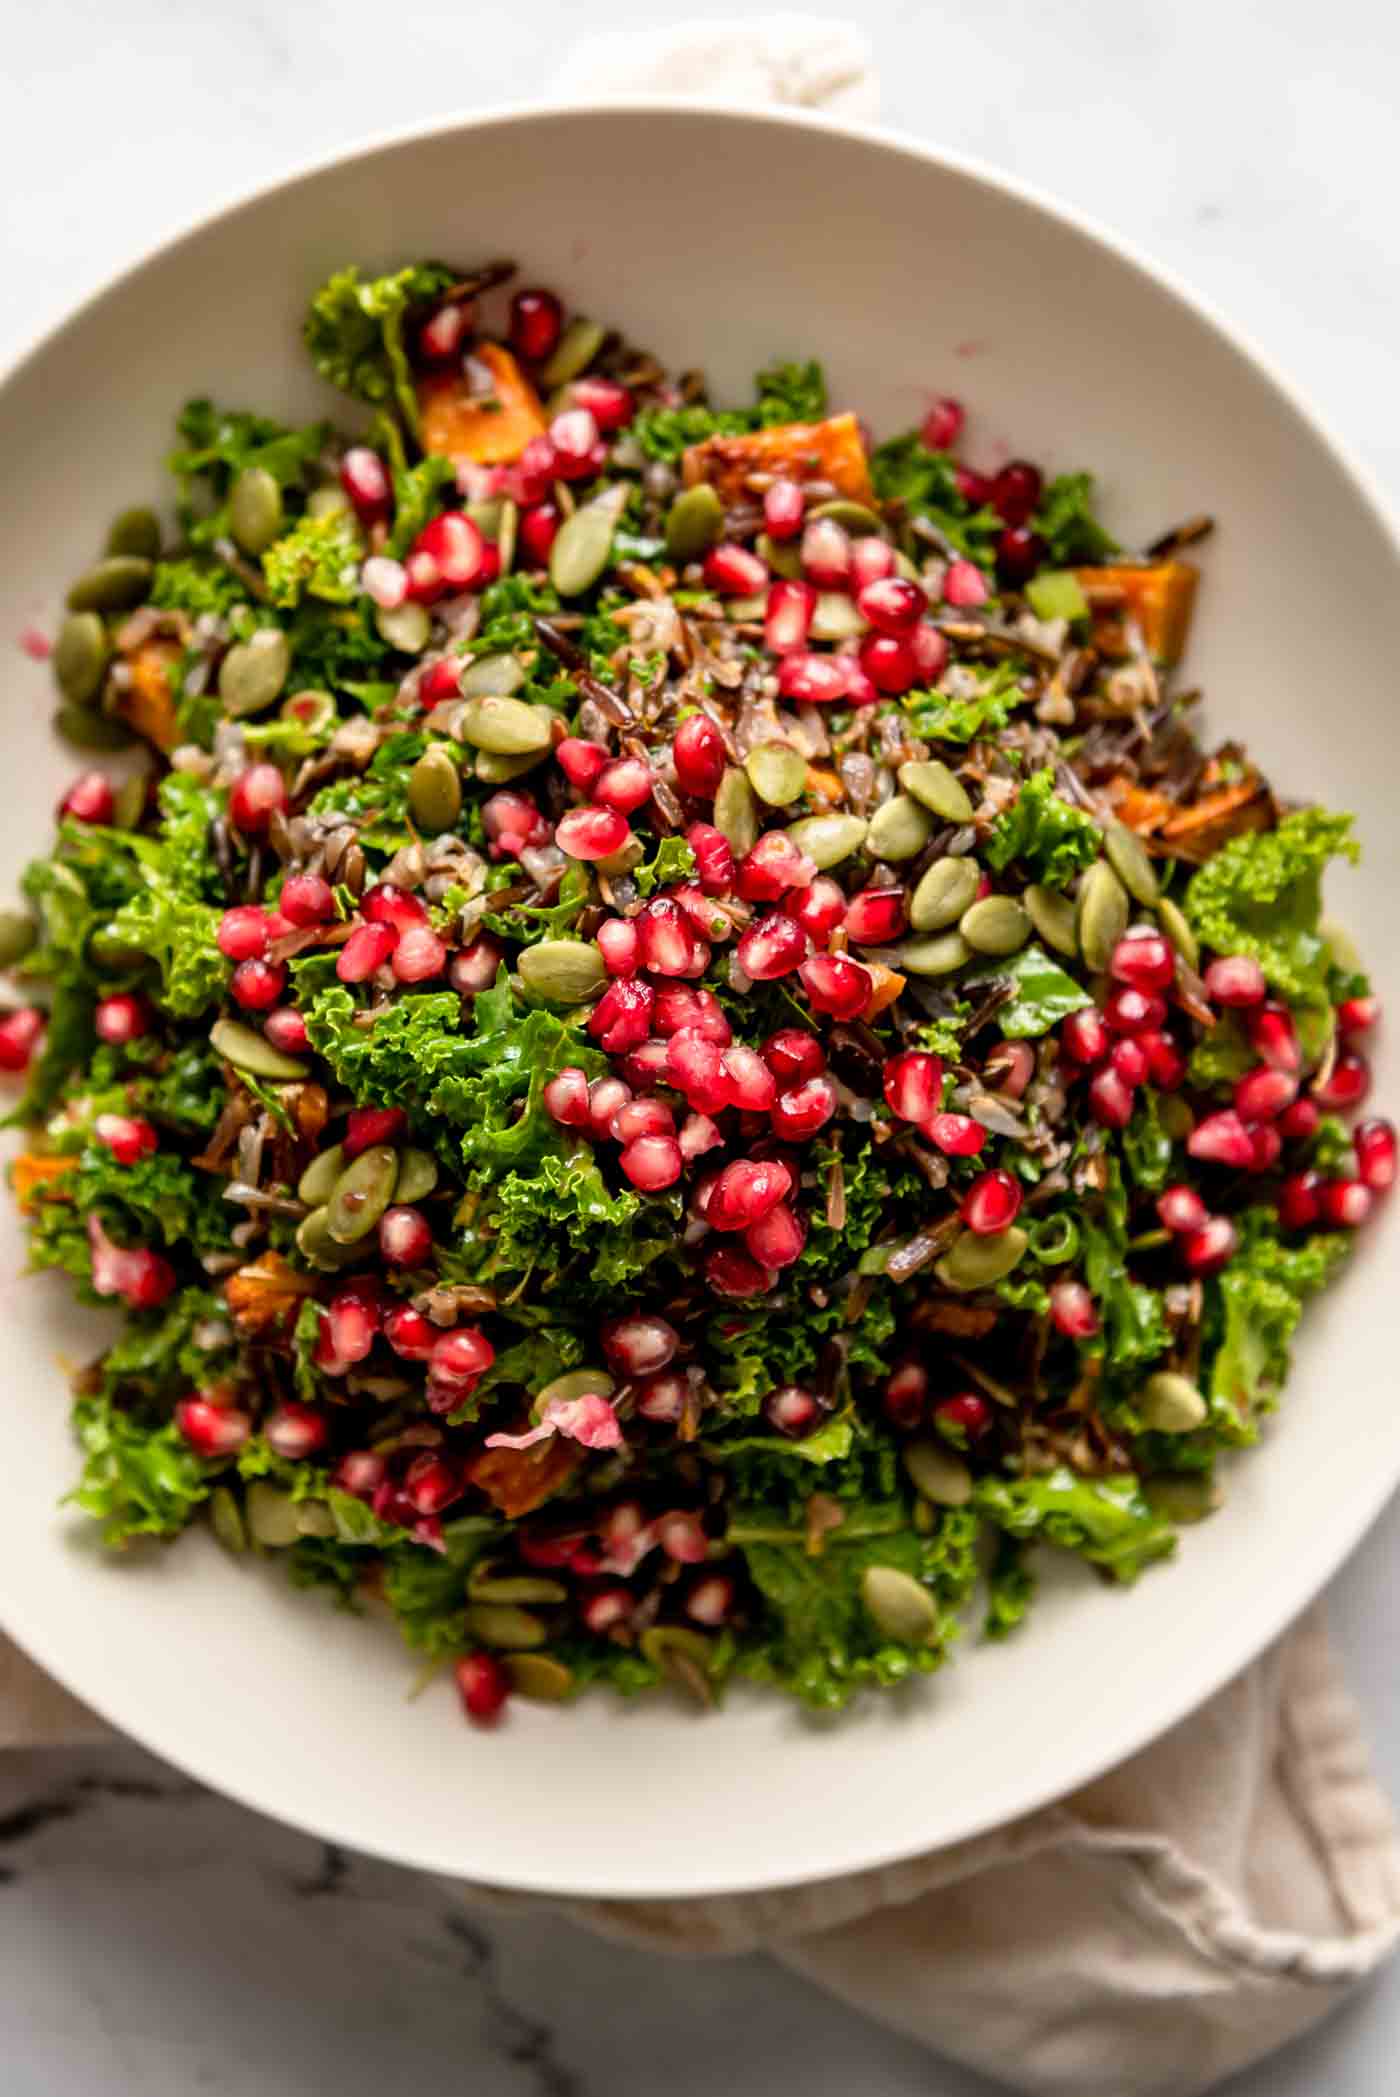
(154, 1940)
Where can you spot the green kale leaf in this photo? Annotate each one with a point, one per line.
(905, 471)
(218, 443)
(354, 331)
(1261, 895)
(1261, 1298)
(137, 1480)
(1045, 832)
(940, 718)
(318, 557)
(1044, 994)
(1104, 1520)
(197, 587)
(664, 433)
(1065, 520)
(791, 393)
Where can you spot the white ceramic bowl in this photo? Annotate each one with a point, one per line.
(724, 239)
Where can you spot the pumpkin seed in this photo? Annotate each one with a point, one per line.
(87, 730)
(828, 839)
(484, 1586)
(226, 1519)
(255, 509)
(362, 1194)
(1127, 855)
(1053, 917)
(574, 1383)
(973, 1262)
(938, 1474)
(404, 626)
(694, 523)
(933, 957)
(624, 859)
(317, 1183)
(1183, 1496)
(582, 546)
(492, 675)
(1178, 931)
(272, 1516)
(898, 1605)
(129, 802)
(18, 935)
(659, 1641)
(996, 925)
(314, 1518)
(777, 773)
(80, 657)
(507, 527)
(313, 711)
(853, 517)
(505, 1626)
(254, 671)
(574, 352)
(315, 1243)
(837, 617)
(784, 556)
(537, 1676)
(562, 971)
(248, 1050)
(418, 1175)
(494, 770)
(736, 812)
(434, 790)
(135, 531)
(1171, 1403)
(1101, 915)
(112, 585)
(899, 829)
(116, 956)
(506, 727)
(329, 501)
(937, 788)
(943, 893)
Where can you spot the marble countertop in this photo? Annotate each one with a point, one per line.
(155, 1939)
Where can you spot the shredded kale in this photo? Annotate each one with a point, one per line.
(1052, 839)
(905, 471)
(1104, 1520)
(136, 1480)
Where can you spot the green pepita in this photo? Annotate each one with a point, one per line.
(777, 773)
(505, 1626)
(837, 617)
(996, 925)
(254, 672)
(135, 531)
(933, 957)
(622, 861)
(1171, 1403)
(938, 1474)
(113, 955)
(943, 892)
(853, 517)
(746, 611)
(18, 936)
(537, 1676)
(736, 811)
(80, 657)
(507, 529)
(403, 626)
(1173, 923)
(574, 1383)
(418, 1175)
(828, 839)
(1182, 1496)
(1342, 950)
(899, 1605)
(514, 1587)
(315, 1243)
(1175, 1116)
(899, 829)
(255, 509)
(693, 524)
(494, 770)
(226, 1519)
(506, 727)
(248, 1050)
(317, 1183)
(1127, 855)
(573, 353)
(492, 675)
(660, 1642)
(314, 1518)
(1052, 914)
(87, 730)
(1101, 915)
(328, 501)
(562, 971)
(581, 548)
(434, 790)
(937, 788)
(784, 556)
(313, 711)
(272, 1516)
(362, 1194)
(973, 1262)
(129, 801)
(112, 585)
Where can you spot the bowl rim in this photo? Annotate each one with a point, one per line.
(1311, 1571)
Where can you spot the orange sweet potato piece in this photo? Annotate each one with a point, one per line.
(1139, 808)
(148, 704)
(1220, 814)
(805, 451)
(1158, 599)
(888, 983)
(493, 429)
(520, 1480)
(265, 1296)
(31, 1174)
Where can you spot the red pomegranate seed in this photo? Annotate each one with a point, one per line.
(701, 915)
(88, 800)
(455, 547)
(461, 1356)
(682, 1537)
(639, 1344)
(483, 1685)
(1263, 1093)
(212, 1430)
(893, 606)
(1072, 1310)
(604, 1611)
(538, 529)
(581, 762)
(698, 754)
(1009, 1068)
(121, 1018)
(611, 406)
(419, 956)
(752, 1085)
(714, 860)
(424, 580)
(367, 949)
(441, 337)
(606, 1099)
(1131, 1011)
(644, 1067)
(913, 1085)
(360, 1472)
(306, 899)
(651, 1163)
(872, 561)
(431, 1483)
(965, 586)
(784, 506)
(1016, 491)
(1273, 1037)
(773, 947)
(962, 1419)
(1166, 1066)
(128, 1137)
(734, 571)
(533, 472)
(710, 1601)
(813, 680)
(788, 618)
(622, 1016)
(366, 1126)
(746, 1190)
(888, 661)
(826, 554)
(1375, 1146)
(642, 1117)
(698, 1011)
(698, 1135)
(1110, 1098)
(876, 916)
(859, 690)
(774, 865)
(1345, 1204)
(905, 1396)
(242, 934)
(1267, 1145)
(792, 1410)
(836, 985)
(475, 967)
(777, 1239)
(1297, 1200)
(1143, 960)
(1357, 1016)
(942, 426)
(1128, 1059)
(386, 905)
(695, 1066)
(295, 1431)
(1019, 553)
(1298, 1123)
(1221, 1139)
(574, 438)
(818, 908)
(592, 833)
(974, 488)
(348, 1329)
(410, 1334)
(665, 940)
(804, 1110)
(536, 318)
(1235, 980)
(958, 1135)
(566, 1098)
(405, 1237)
(793, 1056)
(257, 985)
(255, 797)
(1181, 1208)
(1084, 1036)
(1345, 1086)
(1207, 1250)
(617, 943)
(365, 479)
(991, 1204)
(512, 820)
(440, 681)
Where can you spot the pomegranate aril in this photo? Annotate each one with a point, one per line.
(957, 1135)
(774, 865)
(1131, 1011)
(876, 916)
(574, 438)
(306, 899)
(710, 1601)
(777, 1239)
(1267, 1146)
(696, 1011)
(1144, 961)
(1110, 1098)
(120, 1018)
(128, 1137)
(1298, 1123)
(533, 472)
(1016, 491)
(962, 1419)
(731, 1272)
(826, 554)
(212, 1430)
(605, 1610)
(913, 1084)
(419, 956)
(386, 905)
(784, 506)
(872, 561)
(1374, 1143)
(793, 1056)
(836, 986)
(642, 1117)
(1207, 1250)
(360, 1472)
(581, 762)
(385, 582)
(410, 1334)
(974, 488)
(1072, 1310)
(1263, 1093)
(1128, 1060)
(621, 1019)
(367, 1126)
(591, 833)
(440, 681)
(991, 1204)
(698, 755)
(652, 1163)
(965, 586)
(365, 479)
(751, 1084)
(243, 934)
(431, 1483)
(1009, 1068)
(89, 799)
(424, 580)
(819, 908)
(804, 1110)
(461, 1356)
(1181, 1208)
(255, 797)
(606, 1099)
(483, 1685)
(859, 690)
(1235, 980)
(405, 1237)
(566, 1098)
(682, 1537)
(774, 947)
(714, 859)
(930, 651)
(295, 1431)
(1346, 1084)
(1222, 1139)
(538, 529)
(747, 1190)
(665, 938)
(1019, 553)
(455, 547)
(698, 1135)
(349, 1327)
(617, 943)
(1297, 1200)
(734, 571)
(1166, 1065)
(888, 661)
(894, 605)
(475, 967)
(942, 426)
(813, 680)
(905, 1396)
(1273, 1037)
(788, 618)
(1345, 1204)
(792, 1410)
(257, 985)
(536, 318)
(1084, 1036)
(1357, 1016)
(367, 949)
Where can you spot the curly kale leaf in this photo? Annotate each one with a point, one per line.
(354, 331)
(1104, 1520)
(137, 1480)
(318, 557)
(1065, 520)
(904, 470)
(1051, 838)
(1260, 1298)
(218, 444)
(1261, 895)
(791, 393)
(943, 718)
